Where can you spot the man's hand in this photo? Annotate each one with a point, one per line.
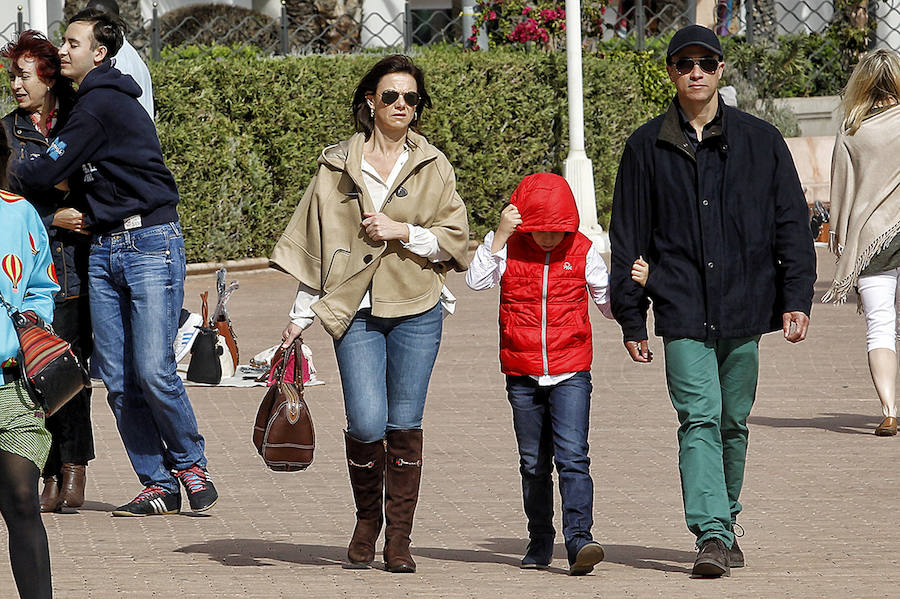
(794, 325)
(382, 228)
(509, 220)
(69, 218)
(639, 351)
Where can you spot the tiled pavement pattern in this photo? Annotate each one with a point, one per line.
(819, 501)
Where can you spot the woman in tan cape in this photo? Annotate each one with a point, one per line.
(370, 243)
(865, 215)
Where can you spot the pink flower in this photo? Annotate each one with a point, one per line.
(492, 16)
(527, 10)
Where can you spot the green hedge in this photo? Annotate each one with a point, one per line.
(242, 132)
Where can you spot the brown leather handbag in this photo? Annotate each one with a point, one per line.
(283, 433)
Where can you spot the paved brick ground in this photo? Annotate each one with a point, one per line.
(819, 497)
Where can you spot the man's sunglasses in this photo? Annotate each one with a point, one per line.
(708, 64)
(389, 96)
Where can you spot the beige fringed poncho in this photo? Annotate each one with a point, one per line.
(865, 197)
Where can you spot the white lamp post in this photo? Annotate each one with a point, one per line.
(37, 15)
(577, 168)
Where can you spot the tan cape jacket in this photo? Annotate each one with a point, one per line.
(865, 197)
(325, 247)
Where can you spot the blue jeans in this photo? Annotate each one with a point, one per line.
(136, 283)
(551, 423)
(385, 366)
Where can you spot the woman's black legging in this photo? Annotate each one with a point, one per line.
(29, 554)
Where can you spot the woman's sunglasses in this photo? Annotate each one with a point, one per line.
(708, 64)
(389, 96)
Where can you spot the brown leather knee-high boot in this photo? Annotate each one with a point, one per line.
(365, 461)
(403, 472)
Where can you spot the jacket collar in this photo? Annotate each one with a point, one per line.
(347, 156)
(672, 132)
(23, 128)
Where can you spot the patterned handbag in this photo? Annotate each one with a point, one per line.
(51, 372)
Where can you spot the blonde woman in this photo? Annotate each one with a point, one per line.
(865, 215)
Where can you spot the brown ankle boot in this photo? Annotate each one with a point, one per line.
(403, 472)
(50, 499)
(365, 461)
(72, 486)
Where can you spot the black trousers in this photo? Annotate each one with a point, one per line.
(73, 438)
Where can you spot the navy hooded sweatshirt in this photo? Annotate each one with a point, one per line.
(110, 153)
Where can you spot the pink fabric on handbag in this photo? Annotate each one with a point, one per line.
(289, 371)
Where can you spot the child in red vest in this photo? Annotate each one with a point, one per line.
(547, 272)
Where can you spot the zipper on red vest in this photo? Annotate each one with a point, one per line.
(544, 284)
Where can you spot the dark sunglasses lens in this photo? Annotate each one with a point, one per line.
(684, 65)
(411, 98)
(389, 97)
(709, 64)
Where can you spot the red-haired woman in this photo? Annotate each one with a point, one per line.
(44, 100)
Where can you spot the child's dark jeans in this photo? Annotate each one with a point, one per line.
(551, 423)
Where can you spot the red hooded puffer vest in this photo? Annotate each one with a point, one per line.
(544, 323)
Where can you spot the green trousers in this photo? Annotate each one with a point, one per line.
(712, 385)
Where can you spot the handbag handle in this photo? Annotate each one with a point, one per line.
(294, 349)
(293, 394)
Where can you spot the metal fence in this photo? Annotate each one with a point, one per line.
(757, 20)
(285, 35)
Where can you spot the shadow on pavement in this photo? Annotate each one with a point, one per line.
(256, 552)
(649, 558)
(852, 424)
(89, 506)
(509, 552)
(493, 551)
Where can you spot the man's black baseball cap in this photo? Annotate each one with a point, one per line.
(694, 35)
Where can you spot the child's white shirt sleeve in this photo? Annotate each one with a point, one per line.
(486, 268)
(597, 277)
(301, 312)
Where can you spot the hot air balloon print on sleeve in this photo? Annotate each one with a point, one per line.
(12, 268)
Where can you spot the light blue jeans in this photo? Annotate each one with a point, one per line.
(385, 366)
(136, 290)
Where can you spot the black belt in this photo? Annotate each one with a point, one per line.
(10, 374)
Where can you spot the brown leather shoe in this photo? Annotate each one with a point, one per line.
(712, 560)
(887, 428)
(71, 490)
(50, 499)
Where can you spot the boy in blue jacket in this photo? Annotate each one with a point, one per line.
(109, 152)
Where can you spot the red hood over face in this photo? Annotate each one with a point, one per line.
(545, 203)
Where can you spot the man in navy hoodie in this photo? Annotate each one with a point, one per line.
(109, 152)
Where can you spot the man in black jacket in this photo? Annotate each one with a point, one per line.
(710, 198)
(109, 153)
